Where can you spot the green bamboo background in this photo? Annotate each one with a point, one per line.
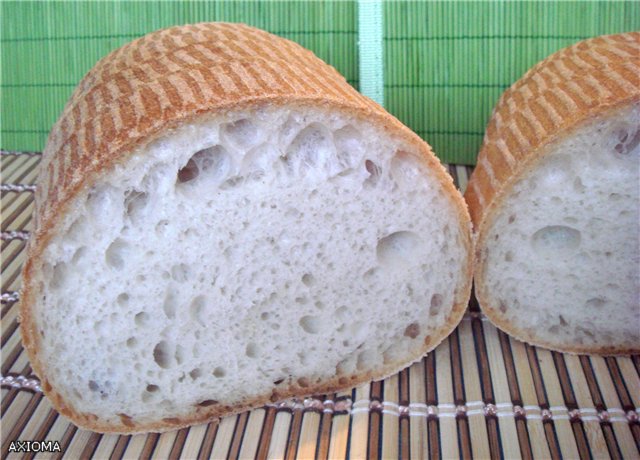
(446, 63)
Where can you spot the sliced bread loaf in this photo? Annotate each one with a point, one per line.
(222, 221)
(555, 202)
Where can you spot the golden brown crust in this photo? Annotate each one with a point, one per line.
(157, 83)
(555, 97)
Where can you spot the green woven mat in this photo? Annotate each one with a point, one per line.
(443, 64)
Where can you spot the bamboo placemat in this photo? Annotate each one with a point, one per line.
(438, 66)
(480, 394)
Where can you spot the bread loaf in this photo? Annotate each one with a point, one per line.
(555, 202)
(222, 221)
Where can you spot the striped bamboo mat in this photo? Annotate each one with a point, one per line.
(480, 394)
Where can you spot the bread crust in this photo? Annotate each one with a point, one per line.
(568, 90)
(158, 83)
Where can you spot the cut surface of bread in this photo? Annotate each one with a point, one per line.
(242, 255)
(558, 220)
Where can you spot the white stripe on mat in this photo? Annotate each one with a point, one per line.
(370, 47)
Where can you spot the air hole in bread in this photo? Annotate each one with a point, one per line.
(348, 142)
(346, 366)
(392, 353)
(162, 354)
(195, 373)
(243, 133)
(126, 420)
(251, 350)
(78, 255)
(179, 354)
(366, 359)
(595, 302)
(404, 168)
(77, 228)
(508, 257)
(180, 272)
(308, 279)
(219, 372)
(116, 254)
(232, 182)
(132, 342)
(59, 278)
(312, 148)
(342, 312)
(135, 202)
(259, 160)
(370, 273)
(627, 141)
(303, 382)
(169, 305)
(357, 330)
(512, 218)
(556, 239)
(151, 388)
(578, 186)
(196, 309)
(141, 318)
(412, 331)
(207, 403)
(161, 228)
(310, 324)
(435, 305)
(563, 322)
(374, 173)
(213, 163)
(398, 249)
(122, 299)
